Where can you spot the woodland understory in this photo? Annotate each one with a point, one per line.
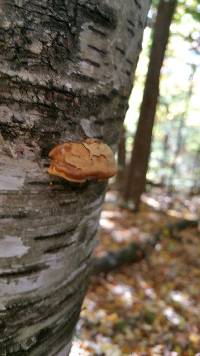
(151, 307)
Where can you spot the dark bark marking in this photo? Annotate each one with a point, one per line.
(120, 50)
(91, 62)
(137, 3)
(83, 77)
(97, 31)
(99, 50)
(57, 248)
(23, 271)
(56, 234)
(66, 202)
(38, 182)
(132, 33)
(129, 62)
(131, 23)
(16, 215)
(140, 23)
(128, 73)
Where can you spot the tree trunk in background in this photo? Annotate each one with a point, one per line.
(195, 189)
(179, 143)
(182, 122)
(66, 73)
(135, 184)
(121, 159)
(164, 160)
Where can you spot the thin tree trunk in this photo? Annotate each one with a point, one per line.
(135, 184)
(66, 73)
(182, 122)
(195, 189)
(179, 142)
(121, 158)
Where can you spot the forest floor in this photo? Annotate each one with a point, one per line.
(151, 307)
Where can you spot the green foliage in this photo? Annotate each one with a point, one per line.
(192, 8)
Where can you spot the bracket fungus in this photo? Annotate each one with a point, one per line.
(82, 160)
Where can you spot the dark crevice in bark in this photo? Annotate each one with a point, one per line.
(89, 61)
(99, 50)
(129, 62)
(96, 30)
(23, 271)
(55, 234)
(132, 33)
(57, 248)
(14, 215)
(137, 4)
(120, 50)
(128, 73)
(83, 77)
(131, 23)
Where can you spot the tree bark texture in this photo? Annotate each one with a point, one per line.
(136, 178)
(66, 71)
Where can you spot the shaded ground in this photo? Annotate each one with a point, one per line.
(151, 307)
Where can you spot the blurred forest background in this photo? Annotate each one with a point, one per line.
(144, 296)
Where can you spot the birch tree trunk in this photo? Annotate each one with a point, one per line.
(66, 71)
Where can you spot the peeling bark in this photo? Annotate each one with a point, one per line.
(66, 72)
